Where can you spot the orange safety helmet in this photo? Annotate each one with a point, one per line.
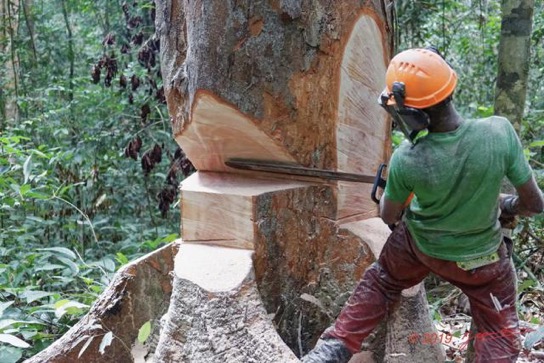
(427, 77)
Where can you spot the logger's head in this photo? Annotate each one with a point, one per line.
(416, 80)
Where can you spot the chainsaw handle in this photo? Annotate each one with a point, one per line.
(379, 182)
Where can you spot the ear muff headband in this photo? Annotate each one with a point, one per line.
(408, 119)
(414, 118)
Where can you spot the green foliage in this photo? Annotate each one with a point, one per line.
(73, 206)
(144, 332)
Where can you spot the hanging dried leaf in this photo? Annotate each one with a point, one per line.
(138, 38)
(125, 48)
(135, 82)
(144, 56)
(159, 95)
(166, 197)
(147, 164)
(183, 163)
(122, 81)
(145, 110)
(134, 22)
(95, 73)
(150, 158)
(109, 39)
(110, 64)
(133, 148)
(156, 154)
(187, 168)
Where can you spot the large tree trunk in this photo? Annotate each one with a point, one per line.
(285, 81)
(514, 57)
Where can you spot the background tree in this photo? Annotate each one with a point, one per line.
(9, 12)
(513, 59)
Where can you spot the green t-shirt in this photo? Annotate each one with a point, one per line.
(456, 178)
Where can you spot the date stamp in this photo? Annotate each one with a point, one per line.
(431, 338)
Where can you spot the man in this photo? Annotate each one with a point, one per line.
(451, 227)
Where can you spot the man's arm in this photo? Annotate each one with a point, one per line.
(390, 211)
(528, 202)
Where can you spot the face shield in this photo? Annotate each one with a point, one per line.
(408, 119)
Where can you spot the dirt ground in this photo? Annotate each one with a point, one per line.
(451, 313)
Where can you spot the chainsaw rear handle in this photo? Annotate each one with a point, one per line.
(379, 182)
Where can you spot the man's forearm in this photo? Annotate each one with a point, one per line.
(513, 205)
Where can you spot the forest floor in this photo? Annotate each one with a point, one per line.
(452, 320)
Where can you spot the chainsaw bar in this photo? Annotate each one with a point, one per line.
(279, 167)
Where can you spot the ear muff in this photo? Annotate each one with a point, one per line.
(414, 118)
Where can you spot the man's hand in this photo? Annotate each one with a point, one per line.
(509, 205)
(528, 202)
(507, 219)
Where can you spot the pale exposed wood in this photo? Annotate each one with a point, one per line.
(362, 357)
(219, 208)
(362, 132)
(412, 317)
(218, 317)
(219, 131)
(213, 268)
(354, 202)
(373, 232)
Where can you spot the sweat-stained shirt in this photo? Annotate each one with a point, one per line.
(456, 178)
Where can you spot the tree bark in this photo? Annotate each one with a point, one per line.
(71, 56)
(10, 88)
(513, 60)
(285, 81)
(29, 21)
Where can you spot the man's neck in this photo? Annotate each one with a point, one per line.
(445, 119)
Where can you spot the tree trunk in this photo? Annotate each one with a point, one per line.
(514, 57)
(9, 10)
(281, 81)
(29, 21)
(284, 81)
(66, 16)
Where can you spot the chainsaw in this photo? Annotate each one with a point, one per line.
(284, 168)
